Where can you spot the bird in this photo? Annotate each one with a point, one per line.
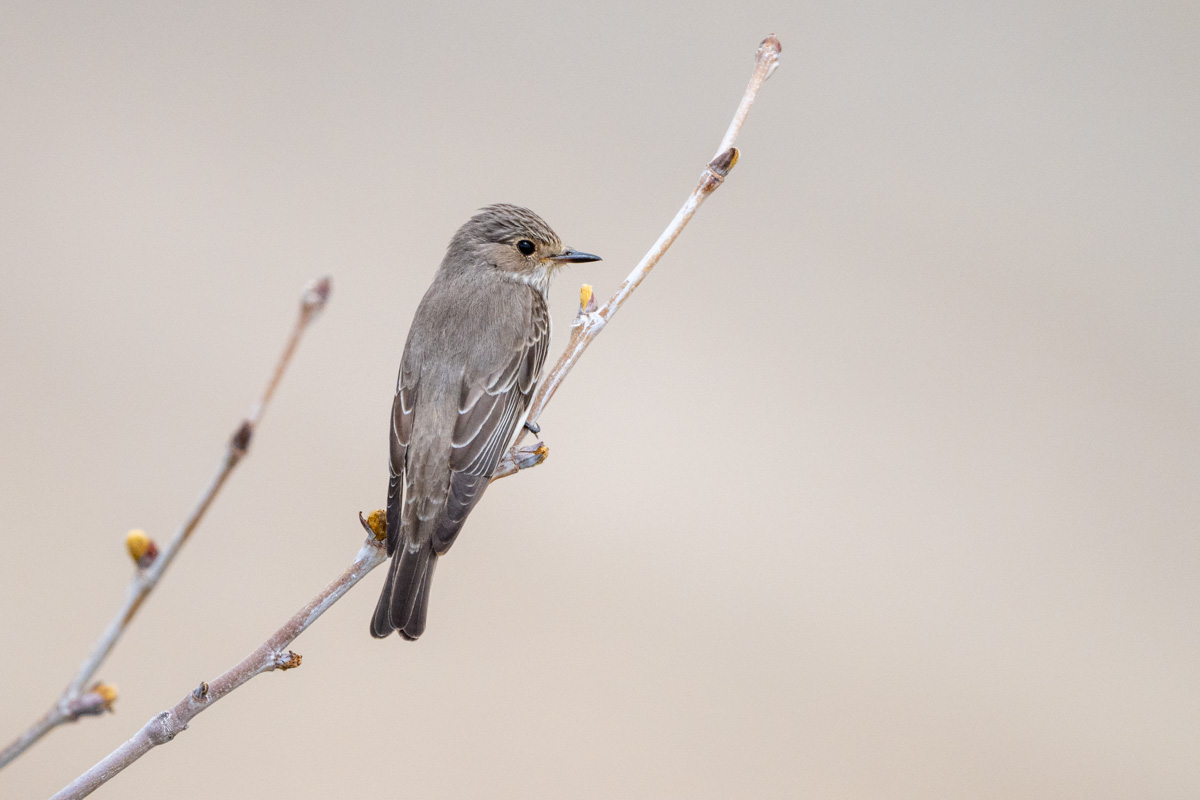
(471, 365)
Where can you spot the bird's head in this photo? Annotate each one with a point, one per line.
(514, 240)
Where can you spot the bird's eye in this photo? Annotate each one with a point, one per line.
(526, 247)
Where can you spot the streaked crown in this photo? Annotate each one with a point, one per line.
(504, 223)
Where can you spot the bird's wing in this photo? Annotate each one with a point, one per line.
(488, 413)
(401, 435)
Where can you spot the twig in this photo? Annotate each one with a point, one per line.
(268, 656)
(75, 702)
(165, 726)
(590, 322)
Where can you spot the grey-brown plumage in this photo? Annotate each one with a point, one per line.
(470, 367)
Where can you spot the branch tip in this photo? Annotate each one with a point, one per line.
(587, 299)
(770, 47)
(316, 295)
(768, 53)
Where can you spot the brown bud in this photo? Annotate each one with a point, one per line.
(241, 438)
(725, 162)
(288, 661)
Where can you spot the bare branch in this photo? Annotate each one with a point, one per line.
(766, 60)
(268, 656)
(588, 324)
(74, 703)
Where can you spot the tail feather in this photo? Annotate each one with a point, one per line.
(408, 568)
(415, 626)
(381, 624)
(404, 601)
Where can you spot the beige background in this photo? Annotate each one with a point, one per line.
(883, 486)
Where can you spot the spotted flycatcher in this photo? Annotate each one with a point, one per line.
(471, 365)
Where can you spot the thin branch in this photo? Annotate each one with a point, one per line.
(268, 656)
(75, 702)
(166, 725)
(590, 322)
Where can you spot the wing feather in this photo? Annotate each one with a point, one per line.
(403, 405)
(488, 416)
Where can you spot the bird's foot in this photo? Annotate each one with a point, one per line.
(533, 427)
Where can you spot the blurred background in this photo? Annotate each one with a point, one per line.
(883, 485)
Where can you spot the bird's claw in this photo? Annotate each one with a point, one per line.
(533, 427)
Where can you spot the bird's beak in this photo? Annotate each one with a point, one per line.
(570, 256)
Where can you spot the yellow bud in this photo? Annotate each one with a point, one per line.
(106, 692)
(377, 519)
(585, 295)
(138, 543)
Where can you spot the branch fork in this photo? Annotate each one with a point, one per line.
(153, 563)
(590, 321)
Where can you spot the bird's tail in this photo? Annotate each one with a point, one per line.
(405, 598)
